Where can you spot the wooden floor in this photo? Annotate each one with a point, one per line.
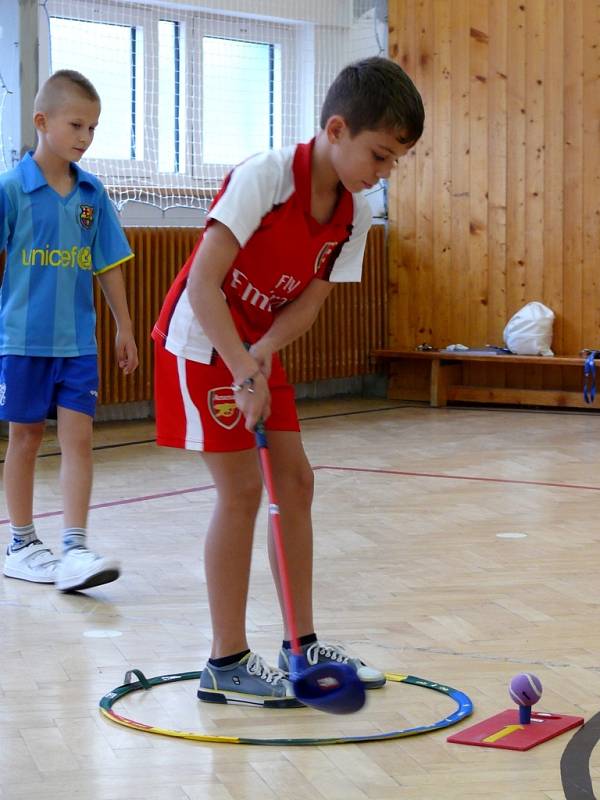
(411, 573)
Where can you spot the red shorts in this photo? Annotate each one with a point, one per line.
(196, 410)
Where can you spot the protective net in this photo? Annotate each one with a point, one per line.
(4, 93)
(190, 90)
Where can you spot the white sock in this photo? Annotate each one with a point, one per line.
(73, 537)
(22, 535)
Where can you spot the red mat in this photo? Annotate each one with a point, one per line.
(504, 730)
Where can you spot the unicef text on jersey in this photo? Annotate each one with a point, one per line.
(75, 257)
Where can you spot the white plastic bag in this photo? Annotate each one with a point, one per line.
(529, 331)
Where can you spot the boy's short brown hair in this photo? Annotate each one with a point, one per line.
(375, 94)
(53, 92)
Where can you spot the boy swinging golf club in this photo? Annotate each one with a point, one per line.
(285, 227)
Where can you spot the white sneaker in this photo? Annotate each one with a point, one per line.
(80, 568)
(321, 652)
(35, 562)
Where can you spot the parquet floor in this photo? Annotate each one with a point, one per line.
(411, 573)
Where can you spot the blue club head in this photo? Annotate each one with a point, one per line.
(334, 688)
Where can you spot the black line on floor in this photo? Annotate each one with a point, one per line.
(98, 447)
(575, 762)
(302, 419)
(423, 406)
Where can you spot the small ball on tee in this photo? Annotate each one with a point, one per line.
(525, 689)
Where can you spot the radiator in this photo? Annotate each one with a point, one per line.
(350, 325)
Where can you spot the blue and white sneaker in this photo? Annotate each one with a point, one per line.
(35, 562)
(250, 682)
(80, 568)
(321, 652)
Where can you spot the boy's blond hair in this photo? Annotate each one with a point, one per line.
(59, 86)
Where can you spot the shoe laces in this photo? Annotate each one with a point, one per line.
(332, 652)
(256, 665)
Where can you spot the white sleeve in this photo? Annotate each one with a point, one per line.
(348, 264)
(255, 186)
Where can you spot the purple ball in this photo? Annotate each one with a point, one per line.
(525, 689)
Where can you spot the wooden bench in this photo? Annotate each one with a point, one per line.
(447, 384)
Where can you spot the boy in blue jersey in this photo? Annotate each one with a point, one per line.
(59, 229)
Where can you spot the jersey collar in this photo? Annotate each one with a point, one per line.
(302, 181)
(32, 177)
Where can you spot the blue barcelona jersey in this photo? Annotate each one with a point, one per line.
(54, 246)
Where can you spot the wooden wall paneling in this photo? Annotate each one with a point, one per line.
(497, 148)
(535, 17)
(515, 170)
(402, 195)
(521, 143)
(591, 172)
(441, 107)
(534, 163)
(496, 173)
(516, 159)
(460, 160)
(424, 288)
(397, 321)
(478, 161)
(478, 180)
(554, 166)
(553, 176)
(572, 55)
(401, 253)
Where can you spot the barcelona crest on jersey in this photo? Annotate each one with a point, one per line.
(86, 216)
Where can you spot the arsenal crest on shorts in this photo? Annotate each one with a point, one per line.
(221, 404)
(86, 216)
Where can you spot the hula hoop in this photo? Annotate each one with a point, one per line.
(464, 709)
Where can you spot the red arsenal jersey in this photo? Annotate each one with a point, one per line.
(265, 202)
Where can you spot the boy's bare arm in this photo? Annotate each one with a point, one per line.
(113, 288)
(211, 264)
(291, 322)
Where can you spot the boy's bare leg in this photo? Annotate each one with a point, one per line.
(76, 469)
(19, 467)
(80, 568)
(27, 558)
(228, 546)
(294, 485)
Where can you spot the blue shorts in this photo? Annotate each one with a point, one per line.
(31, 387)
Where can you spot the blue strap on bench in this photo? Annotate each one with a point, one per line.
(589, 376)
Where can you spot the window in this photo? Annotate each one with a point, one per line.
(114, 70)
(185, 96)
(171, 109)
(241, 83)
(189, 89)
